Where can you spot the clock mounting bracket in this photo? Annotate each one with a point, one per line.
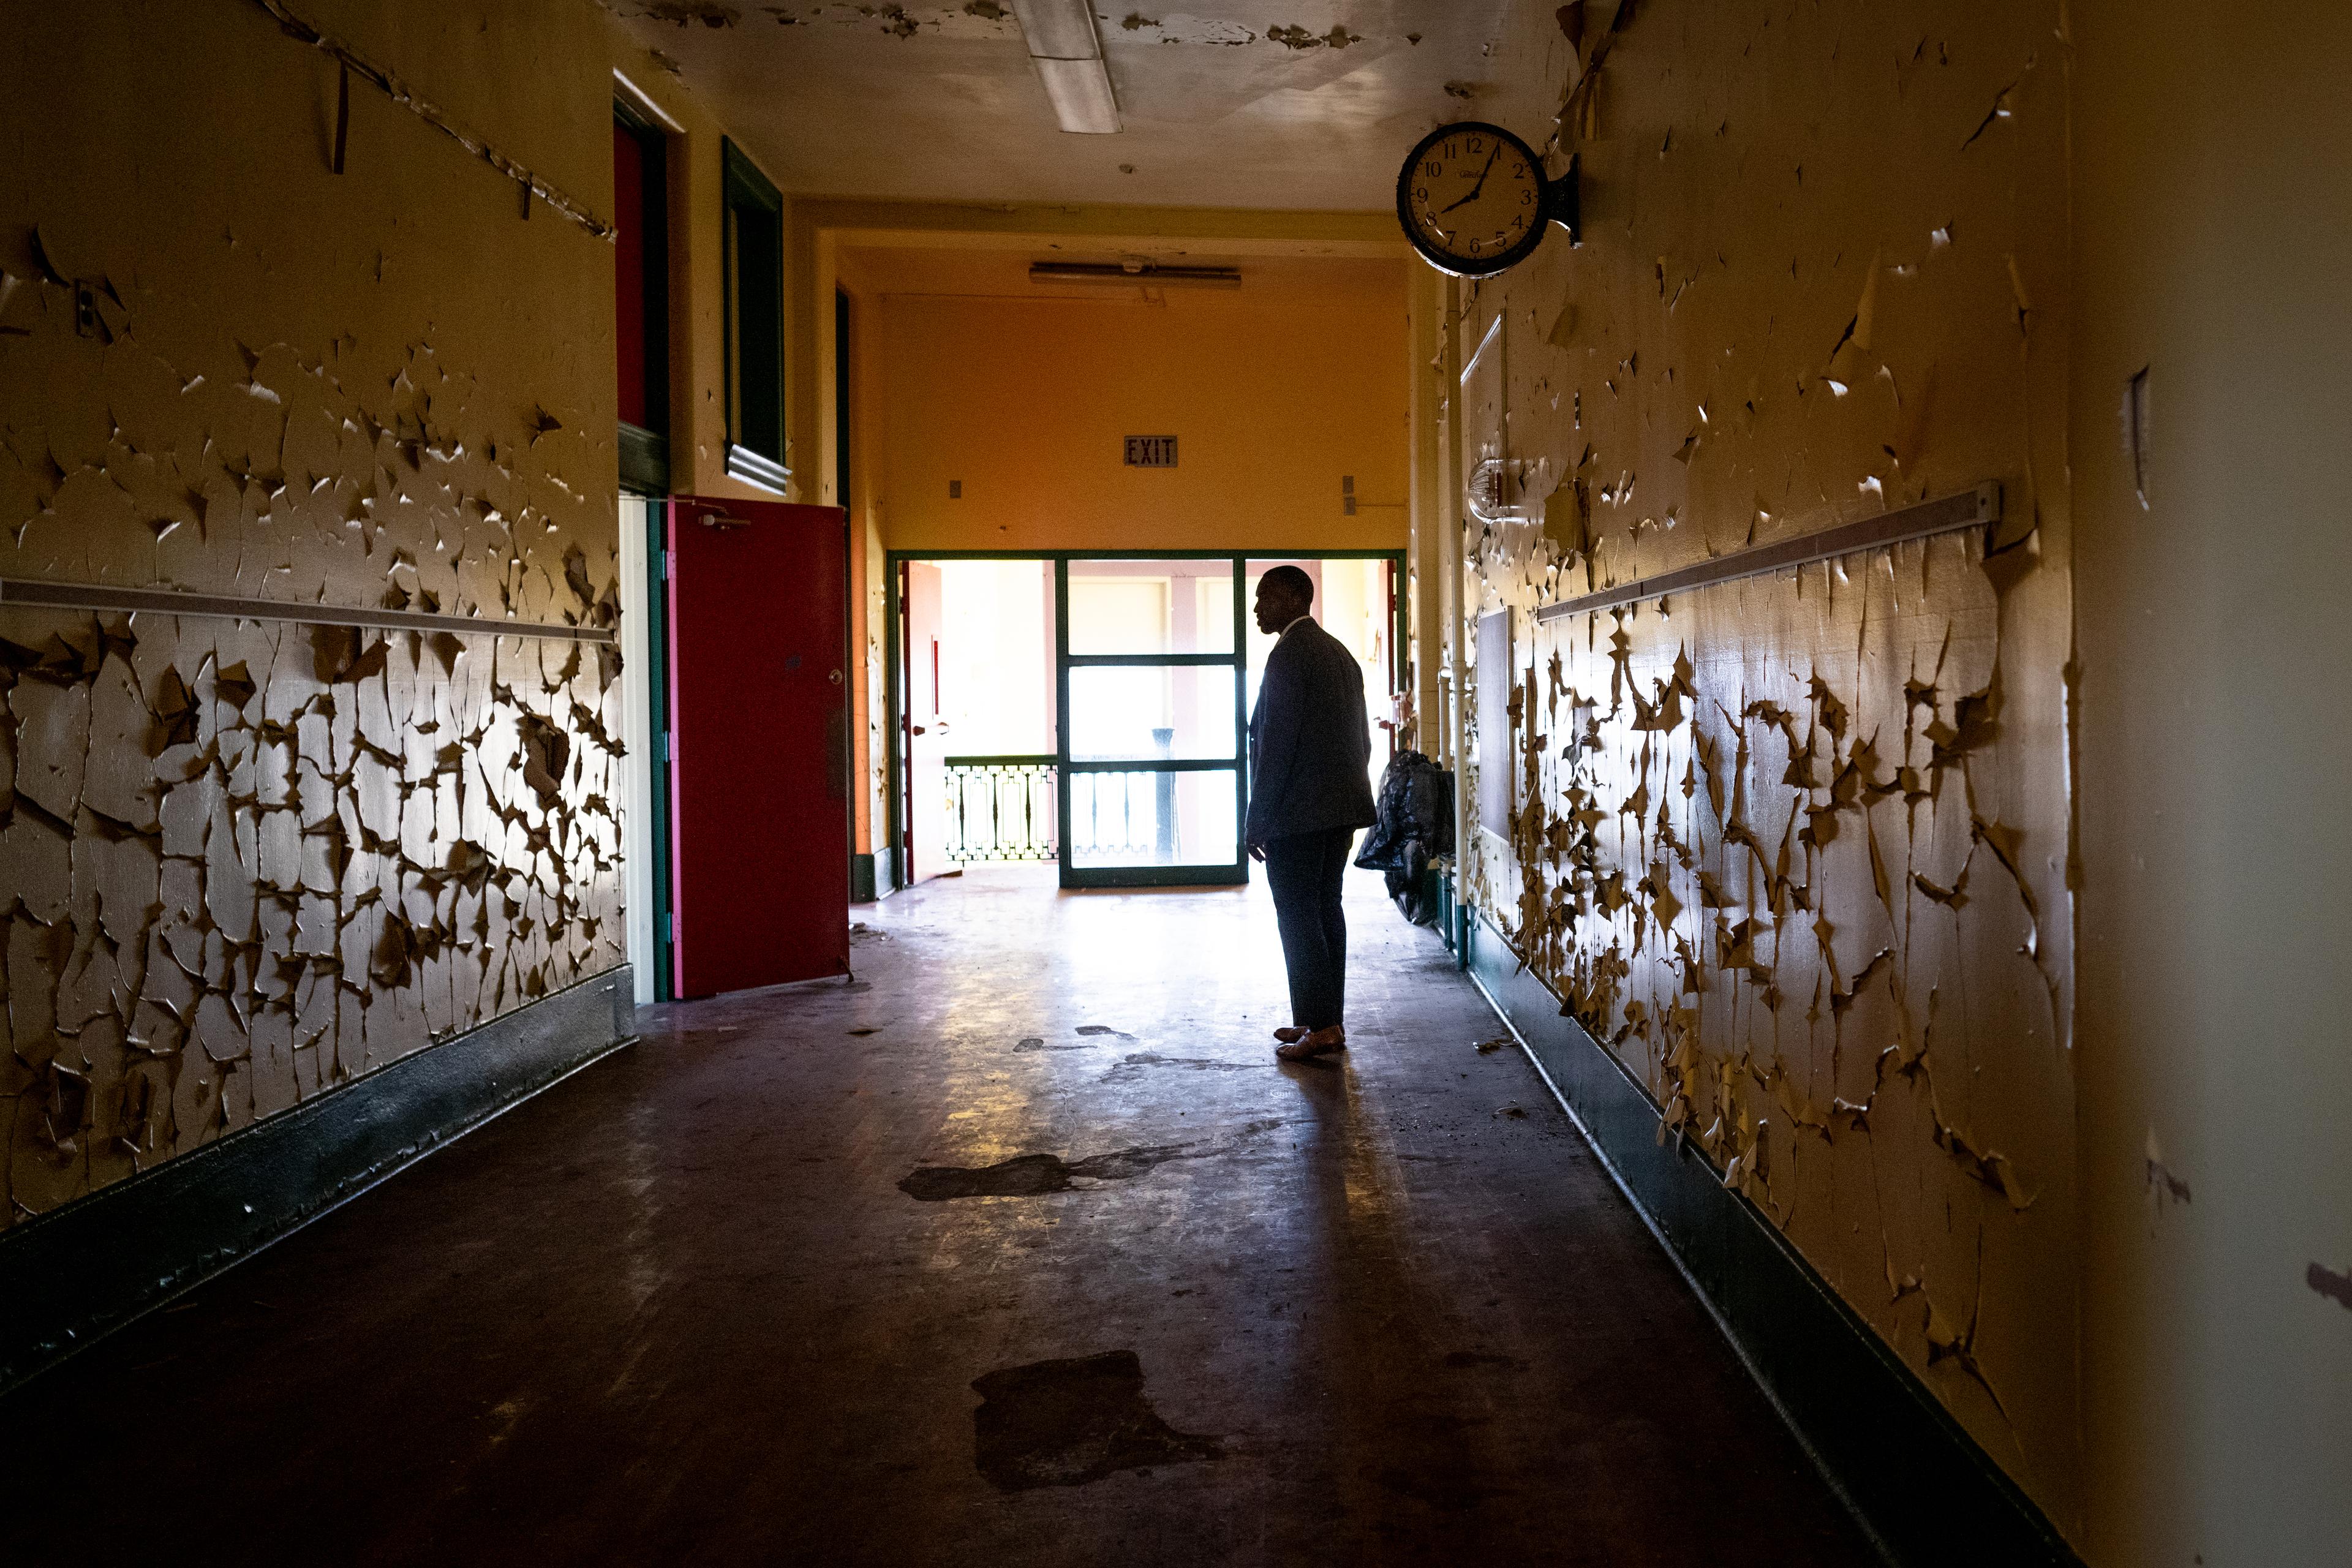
(1563, 200)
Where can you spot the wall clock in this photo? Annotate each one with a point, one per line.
(1474, 199)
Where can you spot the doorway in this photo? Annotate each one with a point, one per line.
(972, 685)
(1154, 662)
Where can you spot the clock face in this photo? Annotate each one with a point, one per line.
(1472, 199)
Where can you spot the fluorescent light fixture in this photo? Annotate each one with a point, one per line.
(1068, 56)
(1132, 273)
(1080, 93)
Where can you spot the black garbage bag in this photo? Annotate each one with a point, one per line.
(1414, 824)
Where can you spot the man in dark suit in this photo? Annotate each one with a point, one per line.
(1310, 746)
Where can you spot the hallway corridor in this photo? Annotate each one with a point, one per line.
(717, 1299)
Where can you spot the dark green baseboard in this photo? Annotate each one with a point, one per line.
(80, 1271)
(873, 876)
(1917, 1481)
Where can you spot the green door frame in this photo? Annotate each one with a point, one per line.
(657, 727)
(894, 677)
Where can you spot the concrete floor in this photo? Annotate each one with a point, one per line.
(720, 1298)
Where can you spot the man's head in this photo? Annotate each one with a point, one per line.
(1283, 595)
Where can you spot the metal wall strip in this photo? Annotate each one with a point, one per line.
(1976, 508)
(22, 593)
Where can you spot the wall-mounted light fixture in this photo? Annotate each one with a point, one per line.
(1147, 273)
(1067, 54)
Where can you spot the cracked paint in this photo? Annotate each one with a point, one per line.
(1791, 847)
(248, 860)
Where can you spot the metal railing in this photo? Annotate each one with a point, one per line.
(1121, 813)
(1128, 813)
(1002, 809)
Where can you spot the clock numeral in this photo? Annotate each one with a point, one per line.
(1431, 167)
(1478, 144)
(1527, 198)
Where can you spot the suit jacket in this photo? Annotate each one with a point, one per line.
(1310, 741)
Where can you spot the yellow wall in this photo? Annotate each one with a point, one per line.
(696, 173)
(2213, 200)
(1273, 398)
(1806, 873)
(391, 386)
(250, 860)
(1027, 403)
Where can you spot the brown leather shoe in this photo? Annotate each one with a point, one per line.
(1291, 1032)
(1321, 1043)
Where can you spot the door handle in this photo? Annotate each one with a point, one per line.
(917, 730)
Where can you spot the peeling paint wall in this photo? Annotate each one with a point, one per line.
(1795, 847)
(248, 857)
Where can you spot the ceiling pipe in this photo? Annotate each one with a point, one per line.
(1067, 54)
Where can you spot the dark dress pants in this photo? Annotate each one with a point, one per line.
(1302, 871)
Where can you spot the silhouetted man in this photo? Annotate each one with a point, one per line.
(1310, 745)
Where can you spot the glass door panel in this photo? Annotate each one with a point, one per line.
(1135, 607)
(1154, 818)
(1152, 712)
(1151, 681)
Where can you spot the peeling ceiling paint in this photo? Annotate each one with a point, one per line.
(1306, 106)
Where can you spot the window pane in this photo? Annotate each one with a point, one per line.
(1351, 603)
(1151, 607)
(1153, 819)
(753, 263)
(630, 314)
(1129, 713)
(760, 338)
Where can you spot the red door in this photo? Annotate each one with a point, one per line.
(759, 745)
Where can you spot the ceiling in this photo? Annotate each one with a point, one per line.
(1303, 105)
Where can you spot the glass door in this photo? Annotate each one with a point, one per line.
(1151, 663)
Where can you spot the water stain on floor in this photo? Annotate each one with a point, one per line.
(1067, 1423)
(1037, 1043)
(1030, 1175)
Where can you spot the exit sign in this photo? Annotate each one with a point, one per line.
(1151, 451)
